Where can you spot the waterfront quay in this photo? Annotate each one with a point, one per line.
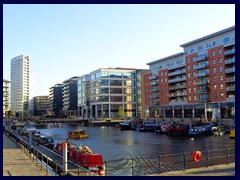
(17, 163)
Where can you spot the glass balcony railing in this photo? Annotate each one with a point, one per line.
(230, 61)
(153, 77)
(229, 52)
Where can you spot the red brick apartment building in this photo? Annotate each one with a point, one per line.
(199, 83)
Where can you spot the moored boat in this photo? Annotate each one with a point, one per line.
(84, 156)
(232, 134)
(78, 134)
(205, 129)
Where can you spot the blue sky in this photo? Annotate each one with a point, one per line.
(72, 40)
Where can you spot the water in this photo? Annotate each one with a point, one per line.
(115, 144)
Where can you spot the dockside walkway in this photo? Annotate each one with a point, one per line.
(17, 163)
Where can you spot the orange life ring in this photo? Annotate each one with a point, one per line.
(197, 156)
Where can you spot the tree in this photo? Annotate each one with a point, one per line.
(120, 111)
(12, 113)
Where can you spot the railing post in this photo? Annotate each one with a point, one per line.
(227, 156)
(47, 166)
(207, 158)
(33, 153)
(41, 160)
(36, 157)
(105, 167)
(159, 171)
(56, 167)
(184, 162)
(132, 166)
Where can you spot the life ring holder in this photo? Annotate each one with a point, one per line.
(197, 156)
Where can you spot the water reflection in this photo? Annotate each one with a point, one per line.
(114, 144)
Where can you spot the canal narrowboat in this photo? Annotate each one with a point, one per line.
(78, 134)
(84, 156)
(126, 125)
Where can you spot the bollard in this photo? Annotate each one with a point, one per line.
(64, 144)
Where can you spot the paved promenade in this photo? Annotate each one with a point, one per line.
(17, 163)
(218, 170)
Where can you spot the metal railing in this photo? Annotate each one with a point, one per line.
(165, 163)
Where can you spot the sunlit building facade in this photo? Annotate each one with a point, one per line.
(6, 98)
(196, 83)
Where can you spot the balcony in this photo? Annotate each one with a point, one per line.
(154, 96)
(203, 91)
(204, 99)
(201, 58)
(204, 82)
(230, 61)
(154, 83)
(230, 79)
(229, 52)
(230, 88)
(229, 43)
(154, 90)
(153, 77)
(178, 94)
(177, 87)
(177, 73)
(202, 74)
(177, 80)
(230, 70)
(202, 66)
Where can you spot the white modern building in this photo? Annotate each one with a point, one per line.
(6, 97)
(108, 93)
(20, 85)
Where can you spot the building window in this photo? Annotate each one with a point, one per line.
(188, 60)
(189, 75)
(220, 60)
(165, 79)
(221, 77)
(214, 70)
(215, 95)
(161, 74)
(221, 86)
(190, 98)
(193, 58)
(194, 90)
(165, 73)
(194, 82)
(226, 40)
(215, 87)
(200, 48)
(213, 53)
(188, 67)
(220, 69)
(222, 95)
(219, 51)
(189, 82)
(195, 98)
(214, 61)
(214, 78)
(192, 50)
(214, 43)
(189, 90)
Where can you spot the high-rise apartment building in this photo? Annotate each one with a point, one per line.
(56, 100)
(6, 98)
(20, 85)
(199, 83)
(70, 96)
